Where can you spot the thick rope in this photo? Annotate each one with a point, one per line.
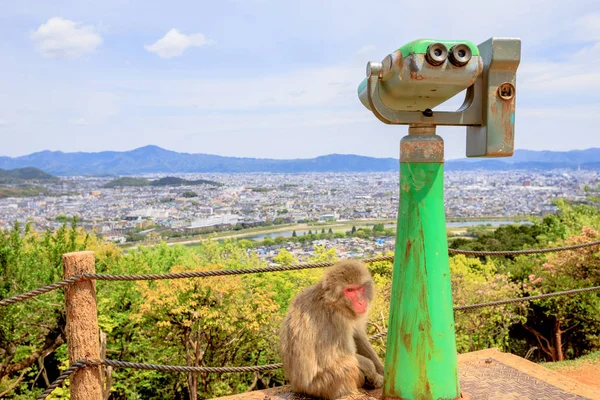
(175, 368)
(510, 301)
(203, 274)
(178, 275)
(83, 363)
(42, 290)
(74, 367)
(521, 252)
(523, 299)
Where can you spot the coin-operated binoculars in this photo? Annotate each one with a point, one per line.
(404, 89)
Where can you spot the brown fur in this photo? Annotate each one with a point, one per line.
(323, 342)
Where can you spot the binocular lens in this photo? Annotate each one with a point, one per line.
(436, 54)
(460, 55)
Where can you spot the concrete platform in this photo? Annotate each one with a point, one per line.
(484, 375)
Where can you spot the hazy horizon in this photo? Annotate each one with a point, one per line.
(249, 156)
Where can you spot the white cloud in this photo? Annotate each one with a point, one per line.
(569, 77)
(580, 112)
(558, 78)
(588, 27)
(65, 39)
(78, 121)
(3, 123)
(174, 43)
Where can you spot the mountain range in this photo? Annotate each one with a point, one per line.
(153, 159)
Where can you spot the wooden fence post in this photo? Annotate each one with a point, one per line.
(105, 371)
(82, 325)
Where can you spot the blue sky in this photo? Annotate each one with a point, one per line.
(270, 79)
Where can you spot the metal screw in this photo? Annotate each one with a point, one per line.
(428, 112)
(506, 91)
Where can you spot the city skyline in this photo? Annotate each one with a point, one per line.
(268, 79)
(252, 199)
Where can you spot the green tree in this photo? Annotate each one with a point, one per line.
(566, 326)
(303, 239)
(215, 321)
(62, 218)
(322, 254)
(361, 233)
(32, 333)
(280, 239)
(476, 282)
(284, 257)
(245, 243)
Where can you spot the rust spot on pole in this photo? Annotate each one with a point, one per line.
(415, 76)
(407, 339)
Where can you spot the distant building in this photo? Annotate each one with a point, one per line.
(214, 220)
(205, 210)
(115, 239)
(150, 213)
(327, 217)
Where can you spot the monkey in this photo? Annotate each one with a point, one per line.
(323, 342)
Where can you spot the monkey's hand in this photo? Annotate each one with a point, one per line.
(371, 377)
(373, 382)
(378, 381)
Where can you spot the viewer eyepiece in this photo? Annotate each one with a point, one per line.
(460, 55)
(436, 54)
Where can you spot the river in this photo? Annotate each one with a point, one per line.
(464, 224)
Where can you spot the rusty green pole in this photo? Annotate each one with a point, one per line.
(404, 89)
(421, 361)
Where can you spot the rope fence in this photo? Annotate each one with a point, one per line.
(204, 274)
(258, 368)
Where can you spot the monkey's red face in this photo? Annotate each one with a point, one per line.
(356, 295)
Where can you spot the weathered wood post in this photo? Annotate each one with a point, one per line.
(105, 371)
(82, 325)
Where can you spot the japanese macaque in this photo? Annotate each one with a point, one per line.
(323, 341)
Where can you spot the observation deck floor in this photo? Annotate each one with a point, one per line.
(484, 375)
